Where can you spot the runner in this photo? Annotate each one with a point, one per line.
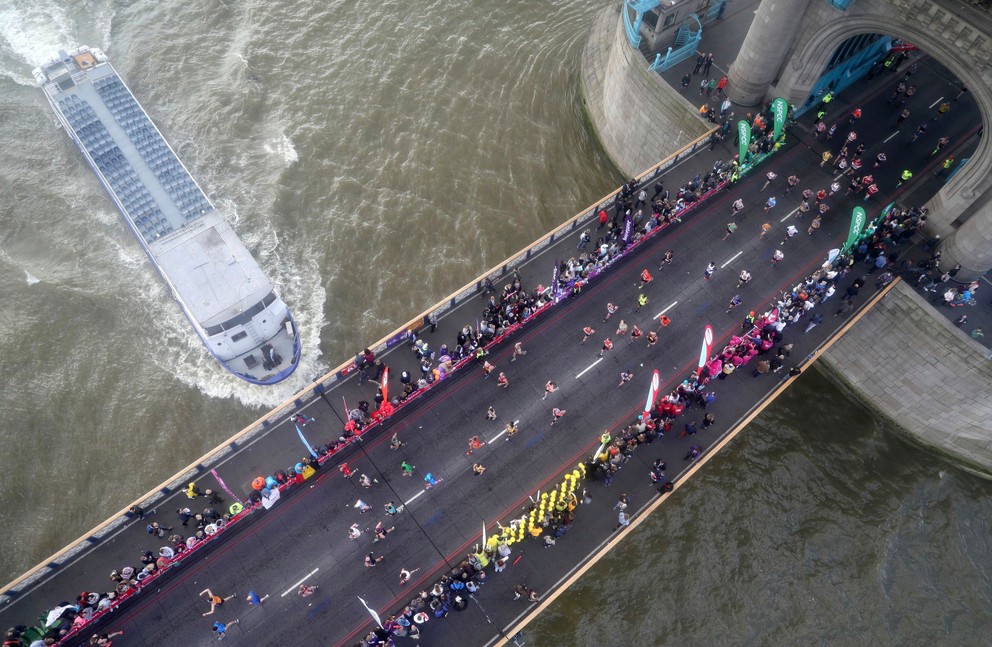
(791, 181)
(381, 531)
(474, 443)
(220, 629)
(736, 301)
(215, 600)
(405, 575)
(790, 231)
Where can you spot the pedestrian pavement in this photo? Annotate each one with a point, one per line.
(722, 38)
(305, 536)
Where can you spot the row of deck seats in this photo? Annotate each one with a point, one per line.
(123, 180)
(153, 150)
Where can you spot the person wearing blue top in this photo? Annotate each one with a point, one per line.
(220, 629)
(254, 600)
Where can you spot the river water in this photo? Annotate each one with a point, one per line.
(374, 157)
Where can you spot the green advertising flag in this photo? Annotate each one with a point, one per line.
(780, 110)
(857, 224)
(743, 140)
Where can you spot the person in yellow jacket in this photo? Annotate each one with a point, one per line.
(945, 166)
(192, 491)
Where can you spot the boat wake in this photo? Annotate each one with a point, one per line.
(31, 31)
(282, 147)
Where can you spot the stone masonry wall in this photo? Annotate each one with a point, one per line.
(916, 367)
(638, 117)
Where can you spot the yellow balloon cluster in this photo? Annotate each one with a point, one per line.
(556, 499)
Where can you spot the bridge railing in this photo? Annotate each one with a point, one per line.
(470, 290)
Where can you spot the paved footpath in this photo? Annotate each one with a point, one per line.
(305, 537)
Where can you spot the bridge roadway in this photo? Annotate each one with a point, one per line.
(307, 532)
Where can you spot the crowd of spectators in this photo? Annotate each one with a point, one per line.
(67, 618)
(762, 342)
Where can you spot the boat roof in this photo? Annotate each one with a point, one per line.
(215, 275)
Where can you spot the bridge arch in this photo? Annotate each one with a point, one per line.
(970, 190)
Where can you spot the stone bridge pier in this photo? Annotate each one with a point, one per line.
(791, 41)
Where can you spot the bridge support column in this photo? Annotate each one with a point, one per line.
(970, 245)
(775, 26)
